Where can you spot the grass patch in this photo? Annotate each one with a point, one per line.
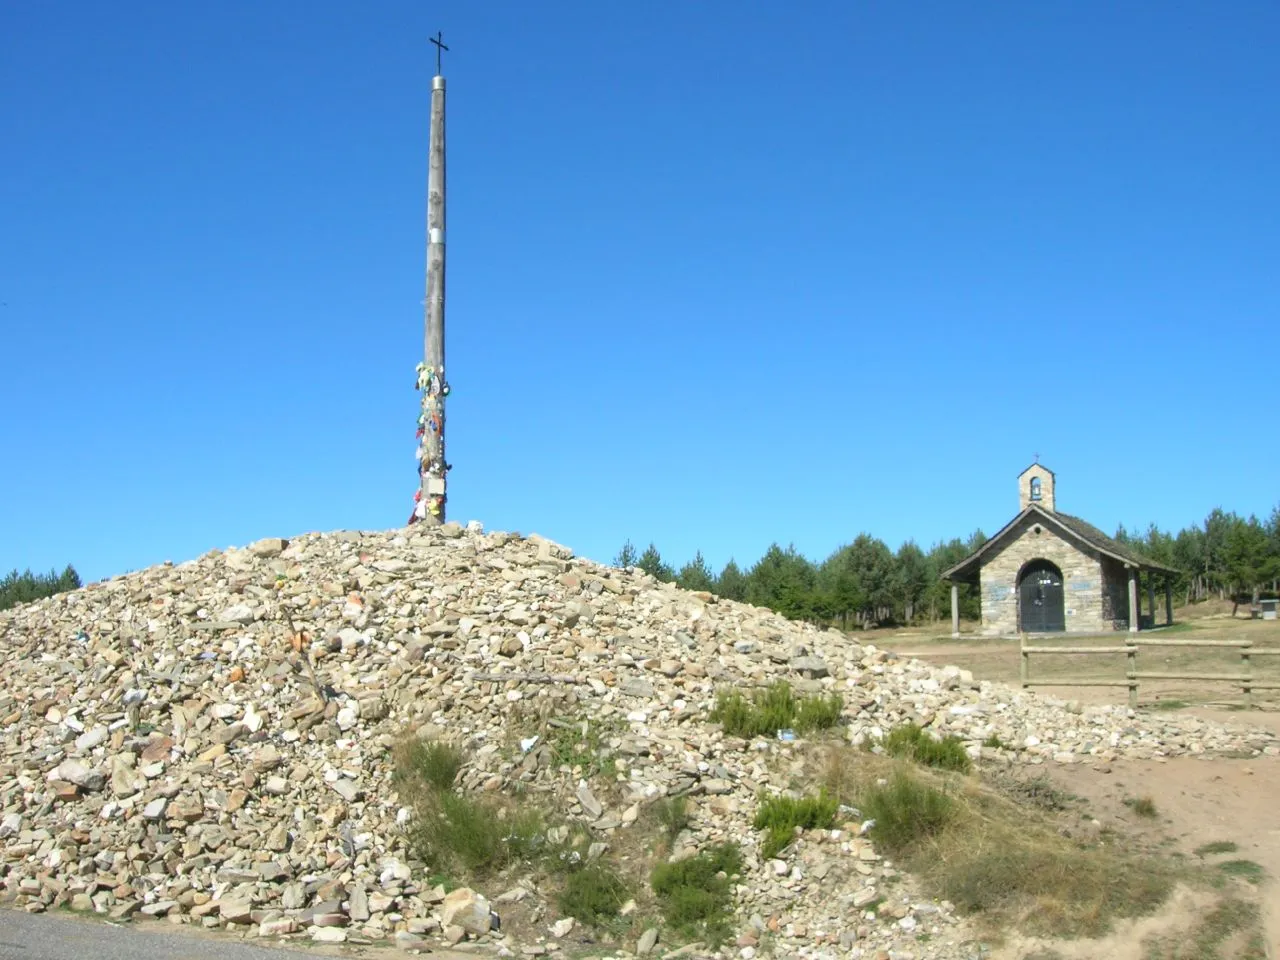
(907, 811)
(991, 856)
(993, 742)
(593, 894)
(1245, 870)
(910, 742)
(433, 765)
(672, 815)
(1144, 807)
(779, 816)
(775, 708)
(459, 835)
(1216, 847)
(453, 831)
(1167, 705)
(695, 894)
(1234, 924)
(581, 746)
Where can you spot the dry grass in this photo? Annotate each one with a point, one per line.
(1232, 930)
(991, 856)
(1144, 807)
(997, 659)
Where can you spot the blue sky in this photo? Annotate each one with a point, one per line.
(719, 274)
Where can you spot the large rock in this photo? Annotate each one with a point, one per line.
(267, 547)
(87, 778)
(466, 909)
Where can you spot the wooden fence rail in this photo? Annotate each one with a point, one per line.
(1133, 676)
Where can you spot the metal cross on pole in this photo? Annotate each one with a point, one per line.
(438, 40)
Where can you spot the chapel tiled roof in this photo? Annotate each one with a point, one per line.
(1074, 527)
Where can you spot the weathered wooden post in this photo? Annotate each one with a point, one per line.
(1133, 599)
(431, 498)
(955, 611)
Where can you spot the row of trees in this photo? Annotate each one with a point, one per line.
(861, 584)
(24, 587)
(1226, 556)
(865, 583)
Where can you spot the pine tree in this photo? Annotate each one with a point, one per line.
(627, 556)
(696, 575)
(651, 563)
(732, 583)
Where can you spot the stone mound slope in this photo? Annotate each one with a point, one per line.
(211, 741)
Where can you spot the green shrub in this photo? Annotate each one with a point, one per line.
(593, 894)
(421, 764)
(780, 815)
(775, 708)
(456, 830)
(818, 712)
(906, 811)
(910, 742)
(696, 894)
(673, 816)
(1144, 807)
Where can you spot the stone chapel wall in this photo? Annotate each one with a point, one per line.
(1082, 581)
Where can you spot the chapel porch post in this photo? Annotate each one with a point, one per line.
(955, 610)
(1151, 597)
(1133, 599)
(1168, 601)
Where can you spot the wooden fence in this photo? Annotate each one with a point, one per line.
(1133, 676)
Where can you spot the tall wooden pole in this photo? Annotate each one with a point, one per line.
(432, 466)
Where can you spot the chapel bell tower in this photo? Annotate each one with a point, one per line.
(1035, 487)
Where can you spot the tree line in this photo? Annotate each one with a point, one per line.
(865, 583)
(862, 584)
(1227, 556)
(24, 587)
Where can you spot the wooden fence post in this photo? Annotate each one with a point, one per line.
(1131, 674)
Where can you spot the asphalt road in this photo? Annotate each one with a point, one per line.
(25, 936)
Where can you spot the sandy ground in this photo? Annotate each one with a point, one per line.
(1198, 801)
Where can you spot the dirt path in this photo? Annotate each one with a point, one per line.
(1198, 801)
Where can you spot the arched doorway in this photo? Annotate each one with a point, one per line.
(1040, 600)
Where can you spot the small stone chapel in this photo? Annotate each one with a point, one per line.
(1049, 572)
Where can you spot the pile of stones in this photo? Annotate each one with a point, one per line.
(211, 742)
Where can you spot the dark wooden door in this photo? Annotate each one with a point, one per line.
(1041, 602)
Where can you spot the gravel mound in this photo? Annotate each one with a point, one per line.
(211, 742)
